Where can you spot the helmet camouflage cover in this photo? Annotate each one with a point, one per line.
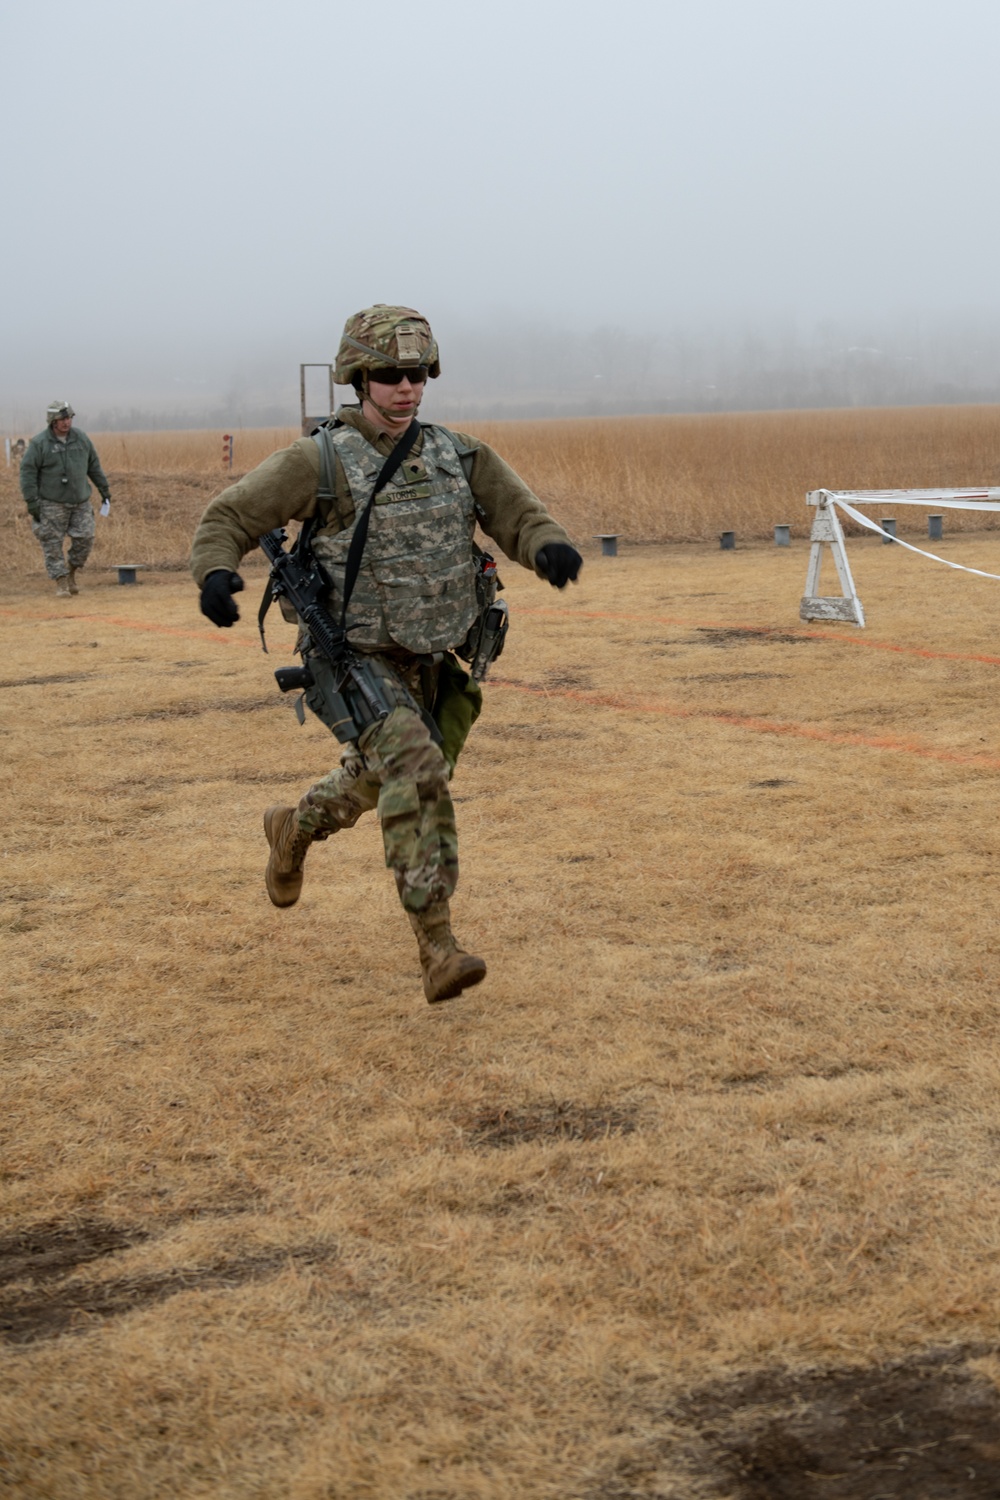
(384, 337)
(57, 410)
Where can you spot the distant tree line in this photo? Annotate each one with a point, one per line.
(539, 370)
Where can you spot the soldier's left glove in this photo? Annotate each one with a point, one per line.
(217, 597)
(559, 562)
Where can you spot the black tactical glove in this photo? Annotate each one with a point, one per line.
(559, 562)
(35, 511)
(217, 600)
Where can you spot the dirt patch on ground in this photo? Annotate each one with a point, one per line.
(741, 635)
(736, 677)
(14, 682)
(924, 1428)
(74, 1306)
(548, 1122)
(53, 1249)
(193, 709)
(526, 732)
(581, 681)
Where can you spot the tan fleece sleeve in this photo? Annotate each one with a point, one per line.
(512, 514)
(281, 489)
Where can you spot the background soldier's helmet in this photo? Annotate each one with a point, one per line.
(383, 337)
(57, 410)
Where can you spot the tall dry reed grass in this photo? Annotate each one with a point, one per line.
(651, 479)
(144, 454)
(686, 478)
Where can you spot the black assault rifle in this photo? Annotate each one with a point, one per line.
(349, 694)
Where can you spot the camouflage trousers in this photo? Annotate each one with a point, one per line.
(397, 768)
(58, 521)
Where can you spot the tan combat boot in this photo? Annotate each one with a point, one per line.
(289, 846)
(62, 587)
(447, 970)
(74, 587)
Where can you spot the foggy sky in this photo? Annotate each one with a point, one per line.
(199, 194)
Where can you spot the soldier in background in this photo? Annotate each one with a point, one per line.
(56, 472)
(414, 602)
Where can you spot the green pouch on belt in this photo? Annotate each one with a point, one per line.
(457, 706)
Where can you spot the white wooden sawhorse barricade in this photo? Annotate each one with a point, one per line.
(828, 532)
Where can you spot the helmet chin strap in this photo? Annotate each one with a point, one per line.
(385, 411)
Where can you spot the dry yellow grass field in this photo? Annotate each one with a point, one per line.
(652, 479)
(696, 1196)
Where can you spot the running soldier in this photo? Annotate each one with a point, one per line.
(414, 601)
(56, 472)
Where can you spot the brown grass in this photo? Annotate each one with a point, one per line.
(723, 1113)
(687, 478)
(659, 479)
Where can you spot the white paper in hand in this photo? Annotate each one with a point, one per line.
(106, 508)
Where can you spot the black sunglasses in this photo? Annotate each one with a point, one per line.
(416, 375)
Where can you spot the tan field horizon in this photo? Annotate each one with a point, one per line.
(648, 479)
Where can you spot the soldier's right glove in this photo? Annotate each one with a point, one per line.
(217, 600)
(559, 562)
(35, 512)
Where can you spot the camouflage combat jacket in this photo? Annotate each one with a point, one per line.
(416, 583)
(51, 470)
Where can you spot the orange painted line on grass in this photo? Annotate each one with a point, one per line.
(150, 625)
(587, 614)
(619, 702)
(755, 725)
(924, 651)
(765, 630)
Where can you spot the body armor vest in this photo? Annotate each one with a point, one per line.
(416, 587)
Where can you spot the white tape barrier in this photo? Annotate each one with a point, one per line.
(988, 499)
(888, 496)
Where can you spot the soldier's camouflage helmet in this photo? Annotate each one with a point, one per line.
(58, 409)
(384, 337)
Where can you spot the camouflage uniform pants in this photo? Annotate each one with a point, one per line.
(58, 521)
(398, 769)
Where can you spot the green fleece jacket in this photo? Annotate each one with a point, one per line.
(51, 470)
(283, 488)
